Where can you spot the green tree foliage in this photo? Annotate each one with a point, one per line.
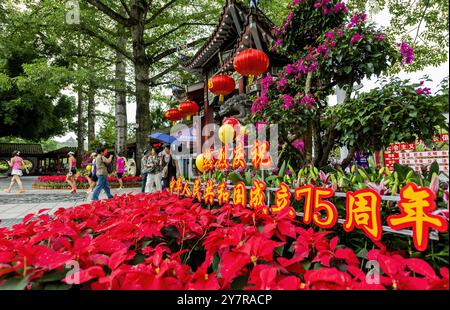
(422, 23)
(30, 112)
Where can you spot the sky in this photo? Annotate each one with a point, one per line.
(436, 74)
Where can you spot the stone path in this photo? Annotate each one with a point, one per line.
(14, 206)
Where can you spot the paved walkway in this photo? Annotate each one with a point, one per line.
(15, 206)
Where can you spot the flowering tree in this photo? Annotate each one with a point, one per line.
(328, 47)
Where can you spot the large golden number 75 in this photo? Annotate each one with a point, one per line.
(315, 203)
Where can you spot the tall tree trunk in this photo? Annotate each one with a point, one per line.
(121, 97)
(80, 129)
(309, 131)
(142, 80)
(91, 116)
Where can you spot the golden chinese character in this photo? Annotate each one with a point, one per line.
(416, 205)
(283, 200)
(239, 155)
(223, 195)
(240, 195)
(172, 185)
(196, 192)
(209, 194)
(363, 212)
(260, 156)
(222, 162)
(257, 195)
(186, 191)
(208, 162)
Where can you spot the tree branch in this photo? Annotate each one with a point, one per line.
(111, 13)
(154, 78)
(158, 12)
(105, 41)
(125, 7)
(173, 30)
(170, 51)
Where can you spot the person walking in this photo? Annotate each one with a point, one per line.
(102, 174)
(171, 168)
(71, 175)
(92, 176)
(144, 169)
(154, 163)
(120, 169)
(17, 164)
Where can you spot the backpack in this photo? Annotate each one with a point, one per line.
(110, 167)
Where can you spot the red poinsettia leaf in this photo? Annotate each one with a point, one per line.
(45, 257)
(323, 257)
(267, 277)
(391, 265)
(413, 283)
(85, 275)
(348, 255)
(286, 228)
(287, 262)
(356, 272)
(6, 257)
(117, 258)
(99, 259)
(28, 217)
(373, 254)
(301, 250)
(444, 272)
(288, 283)
(421, 267)
(42, 210)
(333, 243)
(231, 263)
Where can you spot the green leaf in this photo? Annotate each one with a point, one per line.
(58, 286)
(282, 169)
(239, 283)
(279, 250)
(307, 265)
(235, 177)
(17, 284)
(434, 168)
(216, 262)
(52, 276)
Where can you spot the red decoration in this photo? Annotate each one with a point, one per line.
(173, 115)
(231, 121)
(251, 62)
(221, 85)
(188, 108)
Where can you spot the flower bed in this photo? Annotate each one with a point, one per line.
(59, 182)
(157, 241)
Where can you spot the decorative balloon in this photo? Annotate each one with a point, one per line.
(89, 167)
(233, 122)
(226, 133)
(221, 85)
(188, 108)
(199, 161)
(251, 62)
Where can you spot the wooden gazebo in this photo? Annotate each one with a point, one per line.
(239, 28)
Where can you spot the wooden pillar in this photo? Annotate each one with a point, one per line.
(208, 117)
(241, 85)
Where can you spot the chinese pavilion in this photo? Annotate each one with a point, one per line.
(239, 28)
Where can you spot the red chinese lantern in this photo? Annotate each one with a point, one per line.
(221, 85)
(251, 62)
(233, 122)
(173, 115)
(188, 108)
(230, 120)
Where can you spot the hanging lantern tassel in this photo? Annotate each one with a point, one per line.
(221, 98)
(250, 79)
(188, 117)
(173, 123)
